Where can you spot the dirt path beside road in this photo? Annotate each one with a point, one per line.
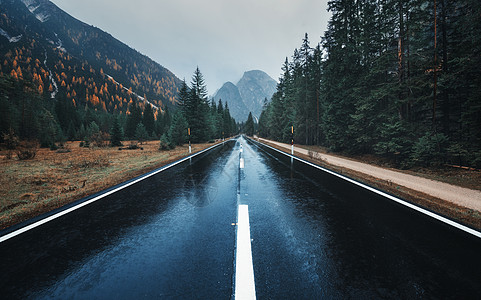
(461, 196)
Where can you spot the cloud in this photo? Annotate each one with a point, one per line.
(223, 37)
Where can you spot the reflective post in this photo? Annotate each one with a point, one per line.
(190, 148)
(292, 140)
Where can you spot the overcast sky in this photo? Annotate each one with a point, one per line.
(224, 38)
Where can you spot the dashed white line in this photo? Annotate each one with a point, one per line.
(244, 271)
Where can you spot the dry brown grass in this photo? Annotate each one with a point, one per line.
(51, 179)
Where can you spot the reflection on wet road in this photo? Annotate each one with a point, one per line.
(173, 235)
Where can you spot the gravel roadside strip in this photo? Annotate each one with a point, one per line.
(465, 197)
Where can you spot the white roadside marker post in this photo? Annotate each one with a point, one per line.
(190, 148)
(292, 140)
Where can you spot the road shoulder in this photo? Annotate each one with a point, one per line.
(457, 203)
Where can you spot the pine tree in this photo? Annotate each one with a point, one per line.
(249, 126)
(148, 119)
(71, 133)
(134, 118)
(212, 130)
(341, 70)
(198, 85)
(196, 109)
(116, 134)
(82, 133)
(220, 120)
(141, 133)
(395, 77)
(93, 132)
(49, 129)
(305, 99)
(183, 96)
(227, 126)
(177, 134)
(163, 122)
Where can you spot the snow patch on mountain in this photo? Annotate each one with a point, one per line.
(33, 6)
(59, 44)
(42, 17)
(138, 96)
(52, 80)
(9, 38)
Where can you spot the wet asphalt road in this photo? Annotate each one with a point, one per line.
(313, 235)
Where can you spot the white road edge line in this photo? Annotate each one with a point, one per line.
(64, 212)
(244, 270)
(405, 203)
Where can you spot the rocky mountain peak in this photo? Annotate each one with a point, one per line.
(248, 94)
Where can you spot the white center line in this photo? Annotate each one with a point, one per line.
(244, 272)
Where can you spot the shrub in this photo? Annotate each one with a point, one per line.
(133, 146)
(458, 154)
(84, 144)
(430, 149)
(10, 139)
(476, 162)
(11, 142)
(63, 150)
(165, 144)
(27, 150)
(100, 139)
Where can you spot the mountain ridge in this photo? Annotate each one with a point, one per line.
(47, 43)
(248, 94)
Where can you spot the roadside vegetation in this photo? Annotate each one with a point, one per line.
(53, 152)
(29, 117)
(54, 178)
(395, 79)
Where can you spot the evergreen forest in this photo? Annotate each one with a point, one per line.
(396, 78)
(27, 115)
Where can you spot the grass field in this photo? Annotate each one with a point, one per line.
(52, 179)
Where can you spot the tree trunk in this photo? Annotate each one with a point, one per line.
(402, 109)
(435, 67)
(445, 93)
